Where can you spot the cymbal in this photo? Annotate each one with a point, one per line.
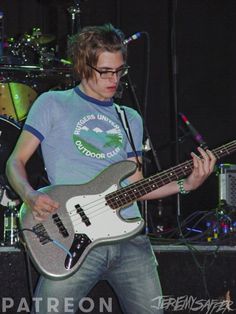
(19, 68)
(44, 39)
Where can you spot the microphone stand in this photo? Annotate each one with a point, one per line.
(75, 11)
(174, 76)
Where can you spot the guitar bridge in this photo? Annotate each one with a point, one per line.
(41, 233)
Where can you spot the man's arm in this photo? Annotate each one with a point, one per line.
(202, 168)
(41, 204)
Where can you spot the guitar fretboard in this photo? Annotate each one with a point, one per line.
(134, 191)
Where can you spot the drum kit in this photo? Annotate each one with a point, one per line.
(28, 67)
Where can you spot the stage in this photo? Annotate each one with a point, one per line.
(199, 273)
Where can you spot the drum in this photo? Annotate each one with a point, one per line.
(16, 99)
(26, 51)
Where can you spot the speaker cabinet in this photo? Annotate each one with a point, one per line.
(227, 183)
(15, 283)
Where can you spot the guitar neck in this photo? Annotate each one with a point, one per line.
(134, 191)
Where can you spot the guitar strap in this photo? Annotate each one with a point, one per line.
(124, 121)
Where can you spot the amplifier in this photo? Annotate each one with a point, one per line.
(227, 183)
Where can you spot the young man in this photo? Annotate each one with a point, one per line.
(81, 134)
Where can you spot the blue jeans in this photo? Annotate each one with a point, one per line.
(129, 266)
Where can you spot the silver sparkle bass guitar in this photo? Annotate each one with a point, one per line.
(89, 215)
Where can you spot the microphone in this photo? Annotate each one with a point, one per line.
(196, 135)
(132, 38)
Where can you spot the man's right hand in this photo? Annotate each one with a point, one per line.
(41, 204)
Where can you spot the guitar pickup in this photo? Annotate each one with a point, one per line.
(60, 226)
(82, 214)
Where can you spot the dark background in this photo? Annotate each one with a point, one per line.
(209, 281)
(201, 83)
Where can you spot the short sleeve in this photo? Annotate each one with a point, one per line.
(41, 116)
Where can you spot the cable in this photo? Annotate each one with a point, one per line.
(55, 242)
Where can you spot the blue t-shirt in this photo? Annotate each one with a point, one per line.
(81, 136)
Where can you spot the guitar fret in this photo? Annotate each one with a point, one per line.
(121, 198)
(145, 190)
(117, 201)
(186, 170)
(221, 152)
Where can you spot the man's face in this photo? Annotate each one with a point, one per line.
(104, 88)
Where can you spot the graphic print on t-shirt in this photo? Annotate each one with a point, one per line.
(98, 136)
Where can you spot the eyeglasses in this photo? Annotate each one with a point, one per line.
(106, 74)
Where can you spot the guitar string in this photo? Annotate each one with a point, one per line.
(97, 210)
(100, 201)
(144, 183)
(176, 170)
(162, 176)
(120, 202)
(166, 176)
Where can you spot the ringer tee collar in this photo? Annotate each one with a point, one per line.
(93, 100)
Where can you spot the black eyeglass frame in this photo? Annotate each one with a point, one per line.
(111, 72)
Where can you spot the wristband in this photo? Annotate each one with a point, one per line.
(181, 187)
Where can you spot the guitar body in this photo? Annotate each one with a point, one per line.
(59, 245)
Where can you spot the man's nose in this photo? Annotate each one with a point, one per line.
(115, 77)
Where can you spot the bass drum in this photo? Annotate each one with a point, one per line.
(16, 100)
(9, 133)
